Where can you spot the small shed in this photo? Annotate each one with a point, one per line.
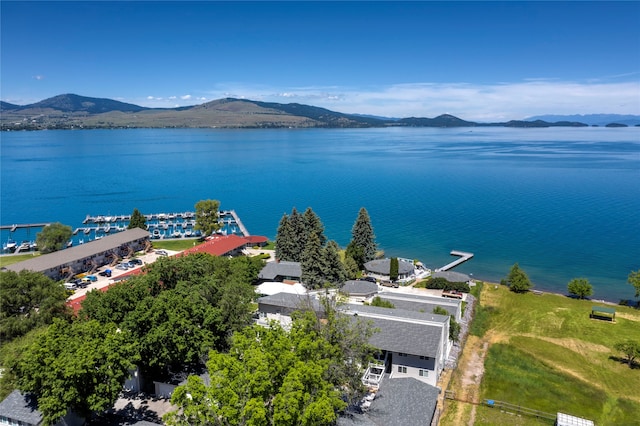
(603, 313)
(568, 420)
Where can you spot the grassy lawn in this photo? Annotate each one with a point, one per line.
(547, 354)
(15, 258)
(177, 245)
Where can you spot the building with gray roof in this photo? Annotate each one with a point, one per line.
(381, 268)
(359, 289)
(82, 258)
(399, 402)
(19, 409)
(283, 271)
(452, 277)
(420, 303)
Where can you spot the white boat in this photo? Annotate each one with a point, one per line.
(25, 246)
(10, 245)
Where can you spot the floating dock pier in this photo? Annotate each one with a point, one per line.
(464, 256)
(13, 228)
(243, 230)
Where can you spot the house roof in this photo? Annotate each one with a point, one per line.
(274, 287)
(383, 266)
(18, 406)
(72, 254)
(290, 301)
(399, 402)
(411, 302)
(218, 245)
(451, 276)
(359, 287)
(414, 333)
(283, 268)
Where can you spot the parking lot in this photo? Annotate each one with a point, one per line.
(103, 281)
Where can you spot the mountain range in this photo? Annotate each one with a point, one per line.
(70, 111)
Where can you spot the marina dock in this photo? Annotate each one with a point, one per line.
(464, 256)
(243, 230)
(14, 227)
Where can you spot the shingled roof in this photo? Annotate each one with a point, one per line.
(383, 266)
(62, 257)
(399, 402)
(283, 269)
(20, 407)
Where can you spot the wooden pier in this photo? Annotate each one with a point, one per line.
(239, 223)
(464, 256)
(13, 228)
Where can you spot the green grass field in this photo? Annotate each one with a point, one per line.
(15, 258)
(547, 354)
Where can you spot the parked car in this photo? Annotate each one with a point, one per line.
(92, 278)
(84, 282)
(162, 253)
(105, 273)
(122, 266)
(370, 279)
(70, 286)
(452, 293)
(390, 284)
(135, 262)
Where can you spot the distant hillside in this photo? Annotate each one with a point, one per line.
(76, 103)
(72, 111)
(592, 119)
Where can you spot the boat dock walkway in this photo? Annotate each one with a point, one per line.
(464, 256)
(243, 230)
(12, 228)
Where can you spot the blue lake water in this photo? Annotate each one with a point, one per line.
(562, 202)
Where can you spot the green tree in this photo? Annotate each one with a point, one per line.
(362, 236)
(356, 254)
(313, 224)
(284, 240)
(454, 327)
(393, 269)
(634, 280)
(334, 270)
(377, 301)
(630, 349)
(29, 300)
(53, 237)
(298, 236)
(312, 263)
(517, 280)
(79, 366)
(580, 287)
(271, 376)
(351, 268)
(138, 220)
(207, 212)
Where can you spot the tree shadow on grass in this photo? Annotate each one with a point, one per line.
(622, 360)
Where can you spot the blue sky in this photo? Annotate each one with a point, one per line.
(477, 60)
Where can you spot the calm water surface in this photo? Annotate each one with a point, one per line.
(563, 203)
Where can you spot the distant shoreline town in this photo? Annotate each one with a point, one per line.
(70, 111)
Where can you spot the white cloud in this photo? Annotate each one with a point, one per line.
(38, 77)
(470, 101)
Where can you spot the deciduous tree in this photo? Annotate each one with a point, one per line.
(29, 300)
(207, 213)
(53, 237)
(580, 287)
(517, 280)
(634, 280)
(138, 220)
(630, 349)
(79, 366)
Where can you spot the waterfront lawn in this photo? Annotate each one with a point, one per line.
(548, 355)
(175, 245)
(15, 258)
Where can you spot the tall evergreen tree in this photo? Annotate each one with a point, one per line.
(393, 269)
(312, 263)
(517, 280)
(313, 223)
(362, 237)
(298, 235)
(138, 220)
(284, 244)
(334, 270)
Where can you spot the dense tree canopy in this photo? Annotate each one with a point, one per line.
(517, 280)
(179, 310)
(634, 280)
(29, 300)
(207, 214)
(362, 238)
(79, 366)
(271, 376)
(580, 287)
(53, 237)
(138, 220)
